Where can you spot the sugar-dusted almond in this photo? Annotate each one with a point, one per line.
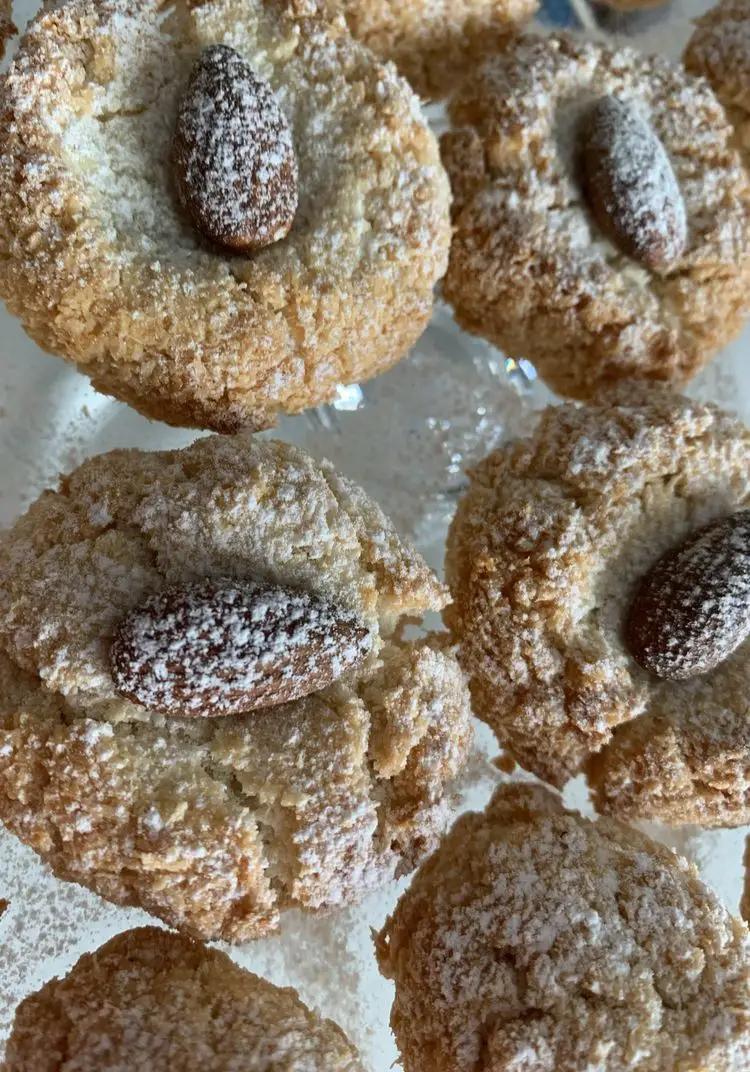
(227, 647)
(233, 156)
(630, 184)
(692, 610)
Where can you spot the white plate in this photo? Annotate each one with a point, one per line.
(407, 438)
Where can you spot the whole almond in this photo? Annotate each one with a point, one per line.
(692, 610)
(630, 184)
(227, 647)
(233, 157)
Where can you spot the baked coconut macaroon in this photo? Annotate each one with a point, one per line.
(535, 940)
(206, 705)
(219, 210)
(600, 571)
(152, 999)
(602, 218)
(720, 51)
(432, 43)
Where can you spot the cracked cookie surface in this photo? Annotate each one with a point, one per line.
(531, 271)
(150, 999)
(216, 824)
(103, 267)
(537, 940)
(546, 551)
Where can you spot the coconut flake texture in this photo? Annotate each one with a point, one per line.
(226, 648)
(218, 825)
(151, 999)
(536, 941)
(233, 154)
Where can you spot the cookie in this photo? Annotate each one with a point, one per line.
(551, 255)
(433, 44)
(548, 548)
(535, 939)
(207, 708)
(111, 261)
(719, 50)
(152, 999)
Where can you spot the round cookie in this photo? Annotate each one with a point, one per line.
(104, 267)
(720, 51)
(536, 940)
(432, 43)
(151, 999)
(547, 547)
(216, 822)
(531, 268)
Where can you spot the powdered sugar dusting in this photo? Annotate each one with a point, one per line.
(216, 648)
(631, 184)
(693, 608)
(534, 939)
(234, 158)
(720, 50)
(586, 313)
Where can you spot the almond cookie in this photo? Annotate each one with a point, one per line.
(152, 999)
(536, 940)
(432, 43)
(218, 214)
(206, 705)
(571, 167)
(555, 537)
(720, 51)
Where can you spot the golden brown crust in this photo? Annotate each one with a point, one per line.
(543, 556)
(432, 43)
(686, 759)
(103, 269)
(534, 939)
(719, 50)
(530, 271)
(215, 825)
(152, 999)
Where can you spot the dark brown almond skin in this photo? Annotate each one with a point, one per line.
(692, 610)
(630, 185)
(228, 647)
(233, 158)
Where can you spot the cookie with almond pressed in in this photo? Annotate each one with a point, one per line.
(432, 43)
(552, 543)
(135, 147)
(534, 267)
(536, 940)
(207, 708)
(151, 999)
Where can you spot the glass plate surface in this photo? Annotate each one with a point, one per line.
(407, 438)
